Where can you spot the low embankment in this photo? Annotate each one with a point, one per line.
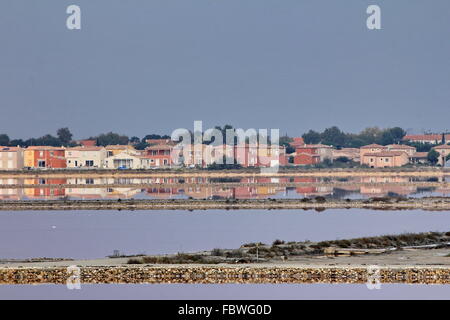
(223, 275)
(245, 172)
(317, 203)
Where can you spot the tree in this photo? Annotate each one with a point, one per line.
(397, 134)
(334, 136)
(64, 135)
(433, 156)
(135, 140)
(342, 159)
(111, 138)
(155, 136)
(311, 137)
(4, 140)
(141, 145)
(392, 135)
(17, 142)
(370, 135)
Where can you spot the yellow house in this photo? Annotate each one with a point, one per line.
(28, 158)
(113, 150)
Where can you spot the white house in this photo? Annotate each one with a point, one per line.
(83, 157)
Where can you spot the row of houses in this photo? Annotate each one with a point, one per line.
(167, 154)
(373, 155)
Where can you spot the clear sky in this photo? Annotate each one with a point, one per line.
(139, 67)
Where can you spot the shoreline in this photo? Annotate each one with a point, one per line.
(283, 172)
(318, 204)
(223, 275)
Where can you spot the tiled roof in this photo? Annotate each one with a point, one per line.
(90, 148)
(8, 149)
(420, 155)
(160, 147)
(385, 154)
(426, 137)
(308, 146)
(373, 146)
(45, 148)
(443, 146)
(399, 146)
(118, 147)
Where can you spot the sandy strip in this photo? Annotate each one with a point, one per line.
(226, 274)
(318, 204)
(294, 172)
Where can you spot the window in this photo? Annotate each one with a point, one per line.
(89, 163)
(41, 164)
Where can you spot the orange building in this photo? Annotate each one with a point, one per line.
(371, 148)
(44, 157)
(312, 154)
(385, 159)
(160, 155)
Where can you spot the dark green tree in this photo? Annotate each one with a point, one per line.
(135, 140)
(311, 137)
(111, 138)
(433, 157)
(392, 136)
(64, 135)
(334, 136)
(4, 140)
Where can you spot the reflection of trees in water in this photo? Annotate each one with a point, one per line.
(421, 190)
(341, 193)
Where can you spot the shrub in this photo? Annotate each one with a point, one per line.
(277, 242)
(135, 261)
(217, 252)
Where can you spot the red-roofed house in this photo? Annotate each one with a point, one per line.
(310, 154)
(444, 151)
(44, 157)
(297, 142)
(385, 159)
(160, 155)
(426, 138)
(402, 148)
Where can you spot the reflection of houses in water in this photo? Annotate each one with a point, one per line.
(385, 179)
(116, 193)
(443, 191)
(44, 192)
(86, 193)
(388, 189)
(162, 193)
(309, 190)
(10, 193)
(385, 188)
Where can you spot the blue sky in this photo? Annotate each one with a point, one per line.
(139, 67)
